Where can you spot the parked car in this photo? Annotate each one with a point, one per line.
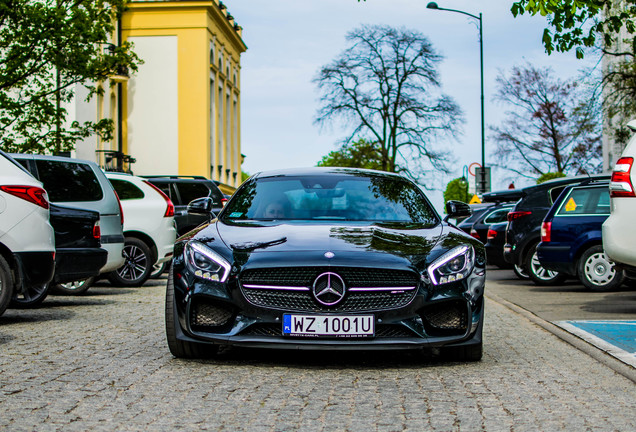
(524, 227)
(619, 235)
(78, 251)
(478, 211)
(327, 258)
(27, 242)
(495, 240)
(82, 184)
(495, 215)
(571, 240)
(182, 190)
(149, 228)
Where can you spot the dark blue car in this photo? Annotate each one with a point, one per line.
(571, 236)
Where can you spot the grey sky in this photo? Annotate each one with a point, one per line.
(289, 40)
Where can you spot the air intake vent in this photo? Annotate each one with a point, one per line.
(446, 317)
(206, 314)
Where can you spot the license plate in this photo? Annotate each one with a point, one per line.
(329, 325)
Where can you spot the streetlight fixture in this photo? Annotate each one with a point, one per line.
(482, 182)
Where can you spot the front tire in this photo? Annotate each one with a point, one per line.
(6, 285)
(179, 348)
(597, 272)
(137, 266)
(539, 274)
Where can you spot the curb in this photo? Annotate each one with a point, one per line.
(596, 353)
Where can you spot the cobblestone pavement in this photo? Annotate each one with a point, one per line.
(100, 362)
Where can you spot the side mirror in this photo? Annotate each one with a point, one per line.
(201, 207)
(457, 209)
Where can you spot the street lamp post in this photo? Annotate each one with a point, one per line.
(482, 177)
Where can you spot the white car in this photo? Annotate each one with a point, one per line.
(27, 240)
(149, 228)
(619, 235)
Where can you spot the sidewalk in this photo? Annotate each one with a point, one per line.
(601, 324)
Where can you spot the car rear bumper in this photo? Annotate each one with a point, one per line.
(619, 239)
(556, 257)
(73, 264)
(35, 268)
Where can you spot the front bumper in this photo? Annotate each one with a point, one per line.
(221, 314)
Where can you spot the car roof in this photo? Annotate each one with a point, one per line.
(506, 195)
(566, 180)
(293, 172)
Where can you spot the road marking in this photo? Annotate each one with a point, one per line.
(617, 338)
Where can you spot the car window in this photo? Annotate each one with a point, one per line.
(331, 198)
(126, 190)
(555, 192)
(499, 215)
(192, 191)
(586, 201)
(69, 181)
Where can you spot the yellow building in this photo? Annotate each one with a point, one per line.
(180, 113)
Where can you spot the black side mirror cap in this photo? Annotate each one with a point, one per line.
(201, 206)
(457, 209)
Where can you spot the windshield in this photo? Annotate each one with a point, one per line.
(331, 197)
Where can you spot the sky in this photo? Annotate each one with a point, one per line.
(290, 40)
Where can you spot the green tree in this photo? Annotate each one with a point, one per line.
(47, 48)
(386, 86)
(549, 176)
(360, 154)
(457, 189)
(578, 24)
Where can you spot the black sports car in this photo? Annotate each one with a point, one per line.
(327, 258)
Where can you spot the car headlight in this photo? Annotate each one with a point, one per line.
(454, 265)
(206, 263)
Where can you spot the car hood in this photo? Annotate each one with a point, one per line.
(367, 245)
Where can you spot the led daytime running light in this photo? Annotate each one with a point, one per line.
(195, 247)
(445, 259)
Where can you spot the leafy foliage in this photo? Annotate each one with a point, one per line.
(457, 189)
(549, 176)
(360, 154)
(551, 125)
(385, 85)
(47, 47)
(577, 24)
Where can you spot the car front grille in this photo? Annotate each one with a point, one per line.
(289, 289)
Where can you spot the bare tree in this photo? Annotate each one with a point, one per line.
(551, 125)
(385, 86)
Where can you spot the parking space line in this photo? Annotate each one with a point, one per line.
(615, 337)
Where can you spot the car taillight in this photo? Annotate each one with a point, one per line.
(121, 210)
(514, 215)
(546, 231)
(224, 201)
(170, 209)
(32, 194)
(491, 234)
(474, 233)
(621, 183)
(97, 232)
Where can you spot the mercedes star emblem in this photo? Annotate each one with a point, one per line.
(329, 254)
(329, 289)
